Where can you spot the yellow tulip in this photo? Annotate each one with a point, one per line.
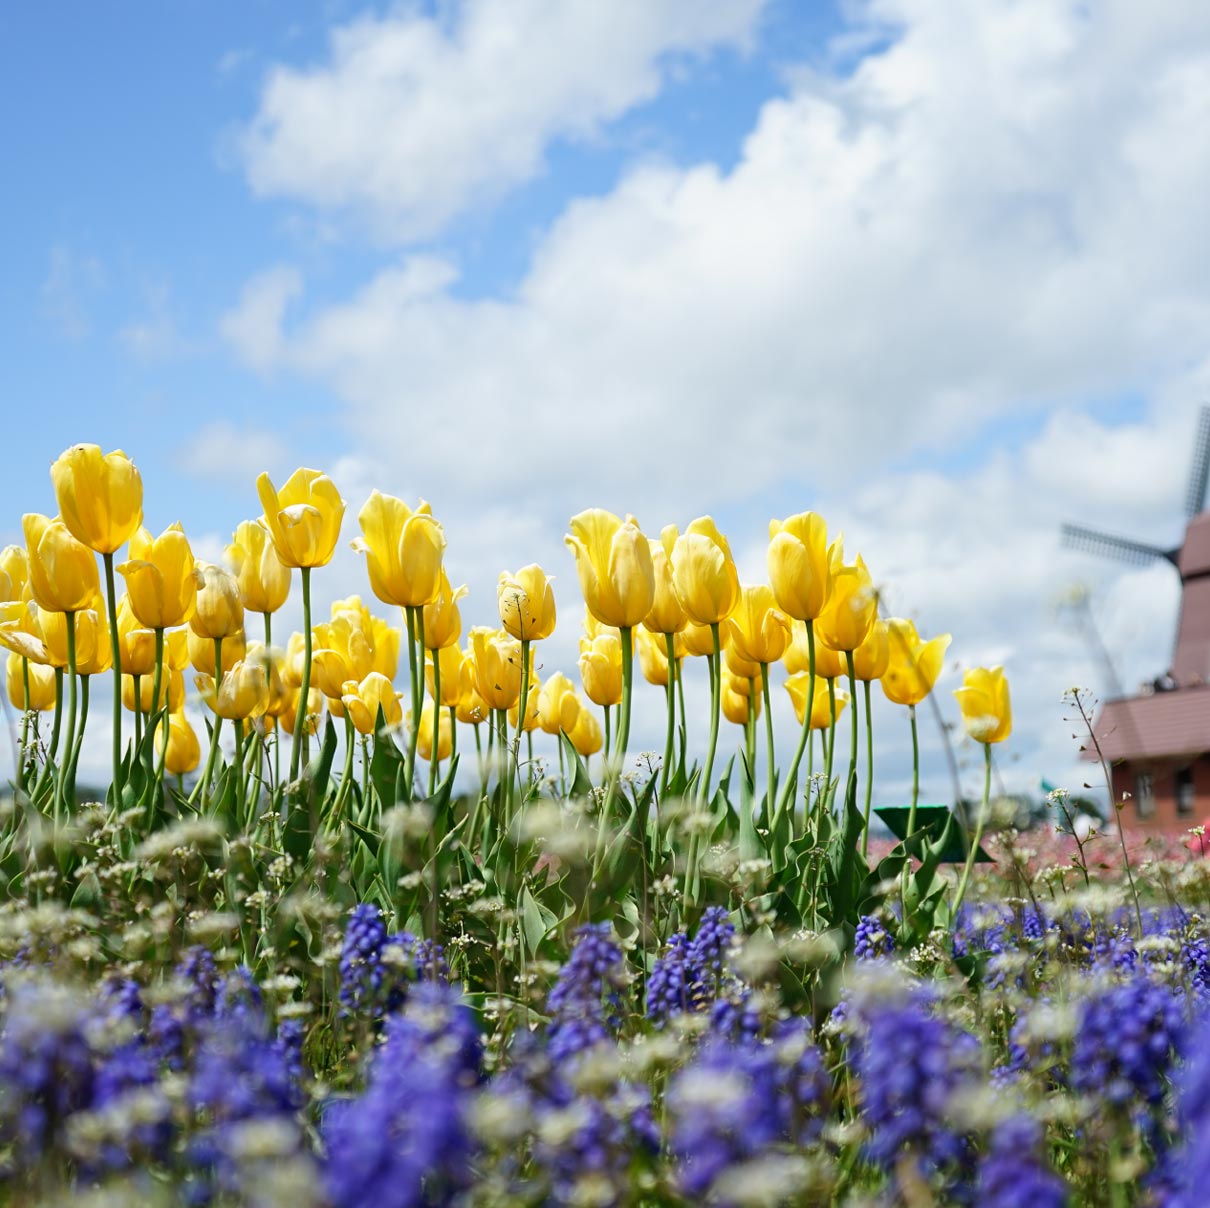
(698, 641)
(445, 735)
(403, 550)
(666, 615)
(526, 602)
(586, 734)
(243, 694)
(558, 705)
(913, 666)
(531, 708)
(760, 631)
(363, 700)
(62, 571)
(220, 611)
(736, 690)
(201, 651)
(653, 657)
(851, 609)
(472, 708)
(987, 712)
(273, 660)
(613, 562)
(172, 691)
(264, 579)
(303, 518)
(704, 574)
(100, 496)
(821, 710)
(184, 753)
(799, 564)
(162, 578)
(829, 663)
(21, 632)
(442, 620)
(341, 652)
(497, 666)
(14, 573)
(601, 668)
(41, 684)
(91, 630)
(386, 647)
(870, 659)
(451, 660)
(737, 665)
(289, 713)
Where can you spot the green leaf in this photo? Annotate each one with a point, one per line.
(581, 784)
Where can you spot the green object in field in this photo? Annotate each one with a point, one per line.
(933, 817)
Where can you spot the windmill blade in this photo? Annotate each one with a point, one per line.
(1089, 541)
(1195, 497)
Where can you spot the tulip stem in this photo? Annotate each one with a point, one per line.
(911, 822)
(268, 631)
(433, 763)
(771, 773)
(716, 698)
(300, 717)
(53, 749)
(827, 769)
(75, 753)
(346, 777)
(522, 705)
(24, 726)
(203, 785)
(138, 711)
(869, 768)
(415, 621)
(790, 788)
(238, 768)
(974, 847)
(750, 734)
(69, 745)
(115, 645)
(606, 754)
(670, 651)
(453, 733)
(623, 737)
(158, 713)
(848, 655)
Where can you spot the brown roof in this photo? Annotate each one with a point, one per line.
(1157, 726)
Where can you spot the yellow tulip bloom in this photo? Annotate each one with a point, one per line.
(851, 609)
(363, 700)
(821, 709)
(41, 684)
(243, 694)
(62, 571)
(14, 573)
(697, 640)
(601, 668)
(799, 564)
(445, 735)
(736, 691)
(162, 578)
(201, 651)
(100, 496)
(442, 620)
(913, 666)
(704, 574)
(386, 646)
(451, 661)
(289, 713)
(303, 518)
(497, 658)
(666, 615)
(172, 691)
(558, 704)
(737, 665)
(871, 658)
(526, 602)
(829, 663)
(263, 578)
(586, 734)
(220, 611)
(341, 651)
(987, 712)
(653, 657)
(21, 632)
(531, 708)
(184, 753)
(760, 631)
(403, 550)
(613, 562)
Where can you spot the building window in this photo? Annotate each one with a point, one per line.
(1186, 795)
(1144, 794)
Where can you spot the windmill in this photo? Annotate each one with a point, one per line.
(1191, 656)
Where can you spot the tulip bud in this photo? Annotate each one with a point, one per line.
(586, 735)
(303, 517)
(219, 612)
(704, 574)
(983, 698)
(613, 562)
(497, 666)
(184, 753)
(442, 620)
(264, 580)
(100, 496)
(799, 565)
(735, 695)
(471, 709)
(601, 668)
(403, 550)
(41, 684)
(558, 705)
(526, 602)
(243, 694)
(62, 571)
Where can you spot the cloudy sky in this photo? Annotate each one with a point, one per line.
(934, 269)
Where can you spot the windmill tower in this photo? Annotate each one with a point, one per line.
(1158, 742)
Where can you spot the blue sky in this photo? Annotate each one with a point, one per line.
(930, 268)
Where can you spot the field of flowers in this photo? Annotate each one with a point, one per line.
(309, 962)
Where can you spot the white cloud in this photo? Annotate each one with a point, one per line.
(67, 291)
(415, 119)
(995, 215)
(254, 327)
(154, 336)
(223, 452)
